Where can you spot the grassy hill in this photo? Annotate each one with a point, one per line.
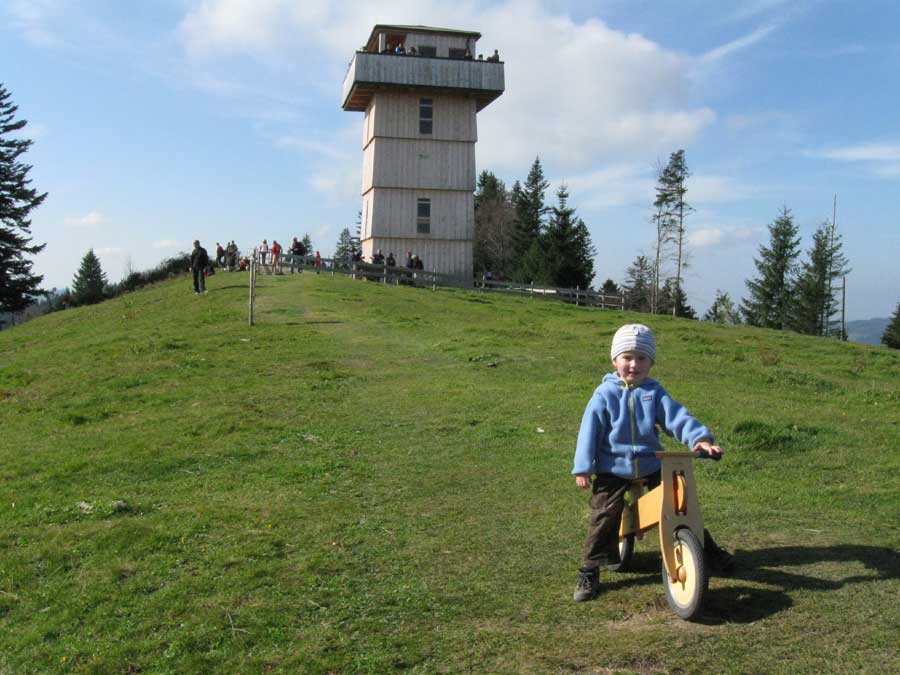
(360, 483)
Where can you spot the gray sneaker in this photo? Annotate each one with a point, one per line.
(588, 584)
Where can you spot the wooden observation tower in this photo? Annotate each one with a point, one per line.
(420, 89)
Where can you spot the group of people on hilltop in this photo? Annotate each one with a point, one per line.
(229, 257)
(272, 257)
(413, 261)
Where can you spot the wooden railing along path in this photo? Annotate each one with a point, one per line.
(424, 278)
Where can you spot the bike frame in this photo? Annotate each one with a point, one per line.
(673, 504)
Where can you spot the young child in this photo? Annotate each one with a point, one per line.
(622, 417)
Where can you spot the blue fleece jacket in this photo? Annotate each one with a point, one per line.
(621, 419)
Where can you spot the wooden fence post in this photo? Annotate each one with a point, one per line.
(252, 284)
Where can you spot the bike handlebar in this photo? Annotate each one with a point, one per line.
(700, 454)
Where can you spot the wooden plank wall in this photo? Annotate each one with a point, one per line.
(397, 115)
(419, 164)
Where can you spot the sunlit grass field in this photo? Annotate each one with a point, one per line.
(377, 478)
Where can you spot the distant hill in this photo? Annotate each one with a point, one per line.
(868, 331)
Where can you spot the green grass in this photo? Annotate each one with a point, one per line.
(357, 484)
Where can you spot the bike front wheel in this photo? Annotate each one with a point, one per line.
(686, 593)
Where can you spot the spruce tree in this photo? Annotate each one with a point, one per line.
(89, 284)
(722, 310)
(307, 243)
(610, 287)
(673, 300)
(344, 245)
(528, 201)
(568, 251)
(18, 285)
(769, 302)
(637, 285)
(814, 302)
(891, 336)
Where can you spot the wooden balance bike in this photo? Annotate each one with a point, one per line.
(672, 505)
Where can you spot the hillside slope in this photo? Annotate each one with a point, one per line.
(377, 478)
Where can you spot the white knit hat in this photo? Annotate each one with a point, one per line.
(633, 337)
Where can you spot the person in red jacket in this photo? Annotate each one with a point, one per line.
(276, 256)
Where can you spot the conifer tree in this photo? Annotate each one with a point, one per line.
(673, 300)
(673, 209)
(814, 302)
(769, 302)
(18, 285)
(722, 310)
(891, 336)
(664, 233)
(609, 286)
(89, 284)
(567, 251)
(344, 245)
(528, 201)
(637, 285)
(307, 243)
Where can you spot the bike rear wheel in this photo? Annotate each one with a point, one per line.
(626, 550)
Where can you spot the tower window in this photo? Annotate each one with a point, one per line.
(426, 115)
(423, 216)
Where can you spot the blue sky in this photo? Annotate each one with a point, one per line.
(160, 122)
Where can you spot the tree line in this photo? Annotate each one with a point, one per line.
(517, 236)
(520, 238)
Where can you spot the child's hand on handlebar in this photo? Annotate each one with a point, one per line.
(713, 451)
(583, 480)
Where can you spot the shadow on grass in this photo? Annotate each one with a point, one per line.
(772, 567)
(225, 288)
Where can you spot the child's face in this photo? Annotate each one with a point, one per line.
(633, 367)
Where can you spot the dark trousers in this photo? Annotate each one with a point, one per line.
(199, 281)
(601, 546)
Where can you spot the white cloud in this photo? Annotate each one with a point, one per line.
(339, 184)
(160, 244)
(92, 219)
(864, 152)
(30, 17)
(577, 91)
(613, 185)
(328, 150)
(723, 51)
(720, 235)
(256, 26)
(883, 159)
(712, 189)
(109, 251)
(582, 92)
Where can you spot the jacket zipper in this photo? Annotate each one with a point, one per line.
(633, 434)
